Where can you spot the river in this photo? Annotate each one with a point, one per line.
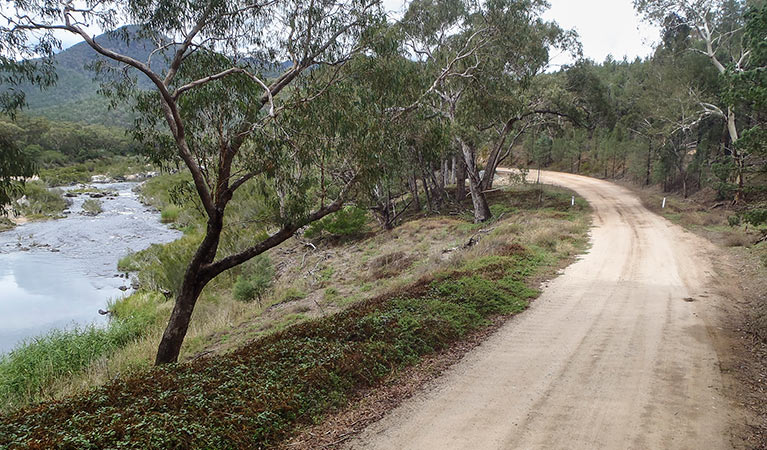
(57, 274)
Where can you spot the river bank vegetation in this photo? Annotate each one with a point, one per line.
(419, 288)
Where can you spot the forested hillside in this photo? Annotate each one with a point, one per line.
(74, 97)
(690, 117)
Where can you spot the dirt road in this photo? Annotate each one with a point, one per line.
(616, 353)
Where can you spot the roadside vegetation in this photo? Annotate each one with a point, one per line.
(334, 319)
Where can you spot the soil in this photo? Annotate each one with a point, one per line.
(629, 348)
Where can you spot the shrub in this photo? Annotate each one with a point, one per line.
(755, 217)
(162, 266)
(257, 282)
(92, 207)
(169, 214)
(733, 221)
(41, 201)
(349, 221)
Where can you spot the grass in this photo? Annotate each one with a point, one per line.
(40, 203)
(28, 369)
(92, 207)
(253, 396)
(222, 326)
(170, 214)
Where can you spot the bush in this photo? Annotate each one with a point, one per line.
(349, 221)
(755, 217)
(733, 221)
(162, 266)
(254, 285)
(92, 207)
(41, 201)
(169, 214)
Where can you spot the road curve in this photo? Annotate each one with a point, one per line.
(613, 355)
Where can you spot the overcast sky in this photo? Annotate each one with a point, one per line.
(606, 27)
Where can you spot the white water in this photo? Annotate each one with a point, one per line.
(59, 273)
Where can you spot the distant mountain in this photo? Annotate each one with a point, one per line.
(74, 97)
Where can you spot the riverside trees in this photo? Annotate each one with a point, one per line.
(482, 58)
(360, 107)
(220, 105)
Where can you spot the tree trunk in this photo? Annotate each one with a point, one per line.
(460, 181)
(427, 193)
(194, 281)
(739, 165)
(578, 167)
(649, 165)
(414, 190)
(481, 208)
(478, 199)
(173, 337)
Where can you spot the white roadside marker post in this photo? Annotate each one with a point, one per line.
(664, 203)
(573, 202)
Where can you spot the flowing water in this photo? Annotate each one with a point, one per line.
(59, 273)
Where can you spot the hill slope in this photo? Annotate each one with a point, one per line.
(75, 96)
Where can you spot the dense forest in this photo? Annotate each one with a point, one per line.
(58, 143)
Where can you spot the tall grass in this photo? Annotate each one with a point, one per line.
(169, 214)
(34, 365)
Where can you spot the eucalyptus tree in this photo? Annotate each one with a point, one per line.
(749, 87)
(481, 57)
(222, 105)
(15, 165)
(715, 30)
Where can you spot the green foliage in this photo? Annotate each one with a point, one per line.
(92, 207)
(39, 201)
(349, 221)
(252, 397)
(52, 143)
(13, 164)
(162, 267)
(169, 214)
(755, 216)
(38, 361)
(256, 281)
(292, 294)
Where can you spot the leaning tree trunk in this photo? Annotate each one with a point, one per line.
(481, 208)
(194, 281)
